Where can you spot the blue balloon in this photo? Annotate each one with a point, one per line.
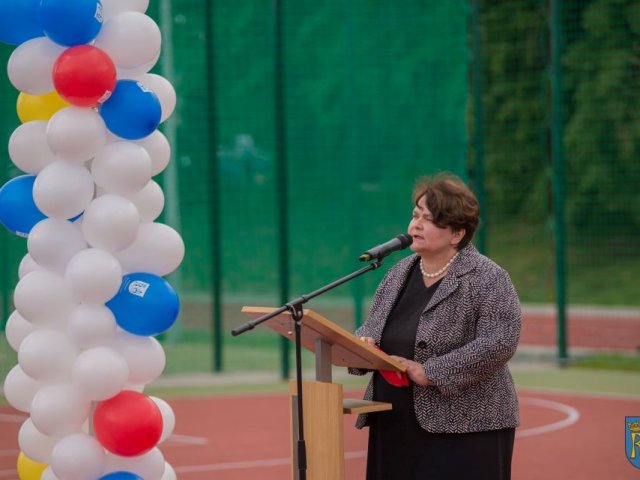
(132, 111)
(18, 211)
(120, 476)
(71, 23)
(146, 304)
(19, 21)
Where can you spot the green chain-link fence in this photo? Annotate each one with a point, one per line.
(301, 127)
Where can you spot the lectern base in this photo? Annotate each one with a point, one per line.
(323, 430)
(323, 408)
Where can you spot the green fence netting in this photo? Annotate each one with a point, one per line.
(301, 127)
(373, 96)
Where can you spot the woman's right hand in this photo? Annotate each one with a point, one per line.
(368, 340)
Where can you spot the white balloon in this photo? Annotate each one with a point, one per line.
(47, 355)
(17, 329)
(157, 249)
(131, 39)
(113, 138)
(100, 373)
(163, 90)
(78, 457)
(122, 168)
(169, 473)
(31, 64)
(134, 387)
(76, 134)
(59, 409)
(35, 444)
(43, 298)
(159, 149)
(27, 265)
(111, 8)
(137, 72)
(168, 418)
(19, 388)
(95, 276)
(110, 222)
(148, 465)
(149, 201)
(63, 190)
(144, 355)
(48, 474)
(91, 325)
(53, 242)
(28, 147)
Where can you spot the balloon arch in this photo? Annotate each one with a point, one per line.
(91, 293)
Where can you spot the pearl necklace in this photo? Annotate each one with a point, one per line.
(439, 272)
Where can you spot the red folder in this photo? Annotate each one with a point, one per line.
(397, 379)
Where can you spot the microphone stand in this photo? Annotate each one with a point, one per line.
(294, 307)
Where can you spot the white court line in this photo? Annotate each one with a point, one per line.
(12, 418)
(274, 462)
(353, 455)
(583, 394)
(572, 417)
(187, 439)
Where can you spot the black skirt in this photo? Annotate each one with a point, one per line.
(399, 449)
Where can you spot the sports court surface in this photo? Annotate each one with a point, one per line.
(563, 436)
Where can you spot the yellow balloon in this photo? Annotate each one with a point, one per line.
(39, 107)
(29, 469)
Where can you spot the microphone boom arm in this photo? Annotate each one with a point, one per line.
(297, 303)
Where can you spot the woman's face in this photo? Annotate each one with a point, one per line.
(428, 238)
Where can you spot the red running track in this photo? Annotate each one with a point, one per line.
(562, 436)
(590, 328)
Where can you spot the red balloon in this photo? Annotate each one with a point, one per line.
(128, 424)
(84, 76)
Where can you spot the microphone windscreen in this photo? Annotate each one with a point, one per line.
(405, 240)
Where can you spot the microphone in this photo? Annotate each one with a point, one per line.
(400, 242)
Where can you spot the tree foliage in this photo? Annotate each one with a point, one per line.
(600, 73)
(603, 129)
(513, 48)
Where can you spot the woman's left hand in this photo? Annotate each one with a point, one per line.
(415, 372)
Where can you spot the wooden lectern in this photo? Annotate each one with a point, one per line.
(323, 402)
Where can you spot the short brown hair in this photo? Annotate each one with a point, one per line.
(451, 203)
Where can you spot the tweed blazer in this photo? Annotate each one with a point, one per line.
(466, 334)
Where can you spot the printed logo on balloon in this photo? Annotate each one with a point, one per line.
(91, 293)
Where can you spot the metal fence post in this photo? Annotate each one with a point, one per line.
(214, 192)
(477, 86)
(557, 158)
(282, 184)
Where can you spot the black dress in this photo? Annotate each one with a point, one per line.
(399, 449)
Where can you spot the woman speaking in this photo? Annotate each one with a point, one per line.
(452, 317)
